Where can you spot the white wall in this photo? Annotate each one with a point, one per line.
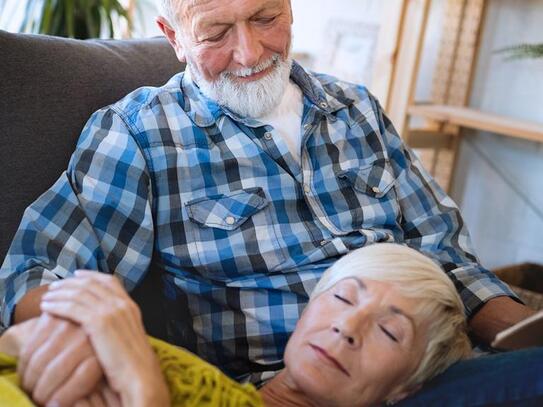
(499, 183)
(312, 17)
(11, 14)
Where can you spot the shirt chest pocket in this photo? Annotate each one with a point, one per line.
(233, 234)
(369, 199)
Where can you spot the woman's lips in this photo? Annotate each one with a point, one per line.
(321, 352)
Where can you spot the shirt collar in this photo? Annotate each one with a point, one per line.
(205, 112)
(314, 90)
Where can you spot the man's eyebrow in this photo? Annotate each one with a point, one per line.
(202, 24)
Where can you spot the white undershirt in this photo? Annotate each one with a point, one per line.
(286, 119)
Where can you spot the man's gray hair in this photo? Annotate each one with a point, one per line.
(169, 9)
(418, 277)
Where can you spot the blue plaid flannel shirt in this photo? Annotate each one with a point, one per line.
(240, 231)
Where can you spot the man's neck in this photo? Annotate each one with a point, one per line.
(281, 391)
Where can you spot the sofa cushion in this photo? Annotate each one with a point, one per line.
(50, 87)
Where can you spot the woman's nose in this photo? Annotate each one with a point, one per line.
(351, 326)
(350, 339)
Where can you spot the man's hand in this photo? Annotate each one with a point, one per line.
(496, 315)
(29, 306)
(57, 363)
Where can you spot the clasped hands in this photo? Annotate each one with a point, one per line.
(89, 348)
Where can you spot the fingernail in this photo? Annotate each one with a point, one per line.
(53, 404)
(54, 285)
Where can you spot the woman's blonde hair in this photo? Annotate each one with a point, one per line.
(418, 277)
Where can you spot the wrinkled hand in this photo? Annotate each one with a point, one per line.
(16, 336)
(99, 303)
(57, 362)
(103, 396)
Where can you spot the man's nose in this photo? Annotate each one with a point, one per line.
(249, 49)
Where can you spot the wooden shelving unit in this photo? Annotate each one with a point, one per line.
(475, 119)
(438, 136)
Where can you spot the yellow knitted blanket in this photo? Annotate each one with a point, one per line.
(192, 381)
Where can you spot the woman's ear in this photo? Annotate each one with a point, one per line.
(171, 35)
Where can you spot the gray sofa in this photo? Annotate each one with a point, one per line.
(50, 86)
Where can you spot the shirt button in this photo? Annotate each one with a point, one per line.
(307, 190)
(323, 242)
(230, 220)
(268, 135)
(307, 126)
(323, 105)
(376, 190)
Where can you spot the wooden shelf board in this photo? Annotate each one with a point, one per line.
(476, 119)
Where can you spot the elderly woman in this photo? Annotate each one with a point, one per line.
(381, 321)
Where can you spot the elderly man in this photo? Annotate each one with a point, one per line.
(239, 182)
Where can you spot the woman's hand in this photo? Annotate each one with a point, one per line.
(99, 303)
(12, 341)
(103, 396)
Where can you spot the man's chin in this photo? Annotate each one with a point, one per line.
(251, 96)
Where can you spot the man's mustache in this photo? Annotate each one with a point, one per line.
(244, 72)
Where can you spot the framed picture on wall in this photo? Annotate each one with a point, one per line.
(349, 50)
(364, 48)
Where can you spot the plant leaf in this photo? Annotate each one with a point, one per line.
(47, 16)
(522, 51)
(89, 19)
(107, 8)
(57, 25)
(70, 18)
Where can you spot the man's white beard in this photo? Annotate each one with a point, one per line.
(248, 99)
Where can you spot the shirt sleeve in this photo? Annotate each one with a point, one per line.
(432, 224)
(96, 216)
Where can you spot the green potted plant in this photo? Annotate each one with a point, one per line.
(523, 51)
(74, 18)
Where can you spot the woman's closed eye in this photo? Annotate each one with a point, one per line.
(343, 299)
(389, 334)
